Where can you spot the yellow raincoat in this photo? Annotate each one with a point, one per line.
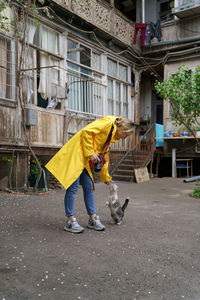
(68, 163)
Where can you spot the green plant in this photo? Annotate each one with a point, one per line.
(35, 170)
(9, 159)
(196, 192)
(182, 90)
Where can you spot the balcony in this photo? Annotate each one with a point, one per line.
(175, 33)
(103, 16)
(187, 8)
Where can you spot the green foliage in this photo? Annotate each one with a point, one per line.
(196, 192)
(9, 159)
(34, 168)
(182, 89)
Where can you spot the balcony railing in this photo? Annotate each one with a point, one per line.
(103, 16)
(85, 95)
(178, 31)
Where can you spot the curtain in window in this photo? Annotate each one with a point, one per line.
(28, 76)
(54, 78)
(43, 85)
(118, 99)
(112, 68)
(31, 32)
(122, 72)
(96, 61)
(110, 97)
(125, 101)
(49, 40)
(3, 58)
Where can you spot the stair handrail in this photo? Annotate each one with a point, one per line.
(130, 150)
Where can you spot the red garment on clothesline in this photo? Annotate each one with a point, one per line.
(140, 27)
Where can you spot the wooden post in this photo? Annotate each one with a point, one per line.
(174, 163)
(157, 163)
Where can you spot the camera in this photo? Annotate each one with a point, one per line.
(97, 166)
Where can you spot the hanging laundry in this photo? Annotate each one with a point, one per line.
(52, 103)
(140, 27)
(155, 30)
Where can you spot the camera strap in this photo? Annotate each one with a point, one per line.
(106, 145)
(104, 149)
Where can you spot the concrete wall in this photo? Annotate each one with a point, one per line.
(145, 100)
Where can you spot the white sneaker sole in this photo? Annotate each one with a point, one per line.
(95, 228)
(73, 230)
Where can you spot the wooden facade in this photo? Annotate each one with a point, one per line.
(99, 30)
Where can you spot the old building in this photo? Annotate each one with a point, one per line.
(83, 60)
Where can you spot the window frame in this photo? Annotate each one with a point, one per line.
(10, 68)
(38, 52)
(122, 84)
(95, 90)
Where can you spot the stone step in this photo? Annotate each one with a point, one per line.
(124, 172)
(127, 162)
(125, 167)
(122, 178)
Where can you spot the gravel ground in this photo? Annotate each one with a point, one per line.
(154, 254)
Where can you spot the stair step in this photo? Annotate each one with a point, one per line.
(124, 172)
(127, 162)
(125, 167)
(122, 178)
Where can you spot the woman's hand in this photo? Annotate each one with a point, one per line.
(108, 182)
(94, 158)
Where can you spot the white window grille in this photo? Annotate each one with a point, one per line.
(87, 94)
(117, 88)
(85, 91)
(83, 80)
(7, 68)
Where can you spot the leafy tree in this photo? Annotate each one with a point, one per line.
(182, 89)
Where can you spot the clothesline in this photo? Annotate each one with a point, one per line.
(148, 31)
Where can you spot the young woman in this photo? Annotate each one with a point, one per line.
(72, 165)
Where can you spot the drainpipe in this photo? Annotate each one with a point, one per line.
(172, 42)
(143, 11)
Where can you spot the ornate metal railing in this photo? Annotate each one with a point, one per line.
(103, 16)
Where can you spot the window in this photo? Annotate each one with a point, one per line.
(84, 82)
(46, 79)
(7, 68)
(117, 88)
(43, 37)
(110, 97)
(165, 10)
(28, 77)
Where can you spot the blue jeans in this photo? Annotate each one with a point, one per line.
(88, 193)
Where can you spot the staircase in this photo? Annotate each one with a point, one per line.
(138, 157)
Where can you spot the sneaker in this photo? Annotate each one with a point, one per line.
(96, 224)
(73, 226)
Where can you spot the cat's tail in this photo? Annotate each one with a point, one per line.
(124, 206)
